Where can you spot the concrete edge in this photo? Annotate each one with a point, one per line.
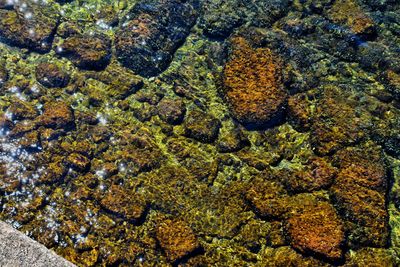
(18, 250)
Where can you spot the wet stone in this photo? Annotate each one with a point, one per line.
(78, 162)
(171, 111)
(3, 74)
(202, 127)
(123, 203)
(20, 110)
(147, 43)
(176, 239)
(33, 29)
(51, 75)
(252, 85)
(318, 230)
(57, 115)
(359, 192)
(87, 51)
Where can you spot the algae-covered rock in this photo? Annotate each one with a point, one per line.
(57, 115)
(78, 162)
(87, 51)
(253, 85)
(350, 13)
(176, 238)
(171, 111)
(20, 110)
(32, 26)
(202, 126)
(337, 123)
(147, 43)
(121, 202)
(3, 73)
(359, 192)
(51, 75)
(317, 229)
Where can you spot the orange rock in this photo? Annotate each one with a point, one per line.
(351, 14)
(176, 238)
(252, 84)
(317, 230)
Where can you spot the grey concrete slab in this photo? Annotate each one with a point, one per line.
(18, 250)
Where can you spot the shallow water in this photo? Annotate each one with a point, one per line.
(203, 132)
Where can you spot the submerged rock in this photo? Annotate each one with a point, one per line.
(176, 238)
(3, 74)
(51, 75)
(147, 43)
(171, 111)
(34, 28)
(57, 115)
(359, 192)
(253, 85)
(87, 51)
(124, 204)
(202, 126)
(318, 230)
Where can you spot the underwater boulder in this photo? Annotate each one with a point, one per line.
(31, 27)
(87, 51)
(317, 230)
(147, 42)
(171, 111)
(176, 238)
(252, 85)
(202, 127)
(51, 75)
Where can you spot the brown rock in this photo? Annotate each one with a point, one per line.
(171, 111)
(127, 205)
(51, 75)
(299, 112)
(317, 174)
(78, 162)
(351, 14)
(176, 238)
(202, 126)
(56, 115)
(253, 86)
(317, 229)
(87, 51)
(359, 191)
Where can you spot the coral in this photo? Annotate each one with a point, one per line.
(253, 85)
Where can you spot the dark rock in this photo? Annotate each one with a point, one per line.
(34, 28)
(21, 110)
(202, 127)
(176, 238)
(171, 111)
(146, 44)
(87, 51)
(78, 162)
(253, 86)
(51, 75)
(221, 17)
(231, 139)
(3, 74)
